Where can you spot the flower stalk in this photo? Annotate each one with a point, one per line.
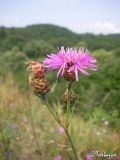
(68, 102)
(65, 129)
(69, 116)
(71, 143)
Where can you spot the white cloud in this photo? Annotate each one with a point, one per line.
(95, 27)
(106, 27)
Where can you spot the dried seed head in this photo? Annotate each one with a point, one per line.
(41, 86)
(37, 78)
(36, 69)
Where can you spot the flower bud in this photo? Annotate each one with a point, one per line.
(73, 97)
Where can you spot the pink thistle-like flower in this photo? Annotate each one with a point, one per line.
(88, 157)
(58, 157)
(61, 130)
(69, 61)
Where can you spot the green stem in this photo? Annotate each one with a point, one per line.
(68, 101)
(69, 116)
(71, 143)
(66, 131)
(55, 115)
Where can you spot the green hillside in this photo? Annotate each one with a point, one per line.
(17, 45)
(56, 36)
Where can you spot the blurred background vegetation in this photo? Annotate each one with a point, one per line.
(98, 102)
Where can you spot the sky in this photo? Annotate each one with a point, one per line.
(81, 16)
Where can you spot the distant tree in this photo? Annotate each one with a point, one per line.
(13, 60)
(63, 41)
(101, 53)
(81, 44)
(34, 48)
(3, 33)
(13, 41)
(117, 52)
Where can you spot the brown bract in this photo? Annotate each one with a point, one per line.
(69, 76)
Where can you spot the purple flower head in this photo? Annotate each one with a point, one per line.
(69, 61)
(58, 157)
(88, 157)
(61, 130)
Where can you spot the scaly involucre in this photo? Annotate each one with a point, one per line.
(70, 61)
